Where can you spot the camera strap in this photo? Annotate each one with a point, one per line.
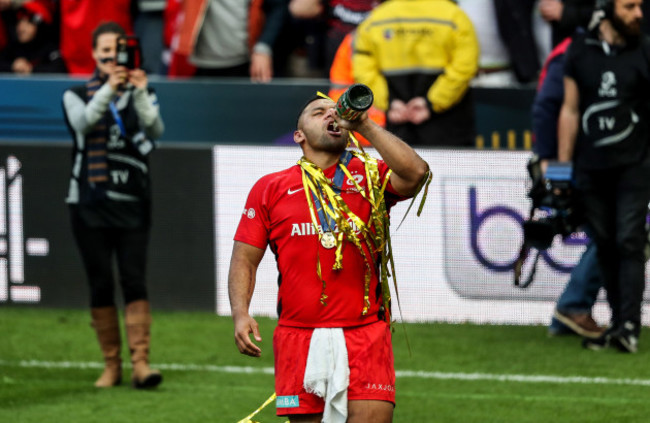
(523, 255)
(519, 266)
(117, 118)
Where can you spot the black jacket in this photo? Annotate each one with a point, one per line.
(613, 87)
(123, 200)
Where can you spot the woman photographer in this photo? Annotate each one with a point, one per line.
(113, 119)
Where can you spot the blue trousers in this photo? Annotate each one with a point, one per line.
(581, 292)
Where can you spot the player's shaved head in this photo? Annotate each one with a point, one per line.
(304, 107)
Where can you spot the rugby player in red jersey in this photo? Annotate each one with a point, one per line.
(325, 221)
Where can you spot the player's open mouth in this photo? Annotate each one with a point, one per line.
(333, 129)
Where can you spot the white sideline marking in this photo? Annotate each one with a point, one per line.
(398, 373)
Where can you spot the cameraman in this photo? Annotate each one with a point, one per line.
(603, 129)
(572, 312)
(113, 119)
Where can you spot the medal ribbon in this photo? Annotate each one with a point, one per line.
(315, 186)
(324, 220)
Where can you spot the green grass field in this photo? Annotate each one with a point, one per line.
(457, 373)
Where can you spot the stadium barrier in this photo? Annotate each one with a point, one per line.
(235, 111)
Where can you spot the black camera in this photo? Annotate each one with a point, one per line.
(554, 210)
(129, 53)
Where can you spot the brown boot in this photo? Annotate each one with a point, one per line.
(138, 323)
(106, 325)
(581, 323)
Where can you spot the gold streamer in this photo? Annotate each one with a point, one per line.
(332, 204)
(248, 418)
(423, 183)
(375, 232)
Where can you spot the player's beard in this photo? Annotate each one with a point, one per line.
(334, 144)
(631, 32)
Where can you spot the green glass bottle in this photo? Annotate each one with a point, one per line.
(354, 101)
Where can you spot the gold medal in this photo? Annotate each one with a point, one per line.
(328, 240)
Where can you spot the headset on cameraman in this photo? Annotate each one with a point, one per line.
(607, 6)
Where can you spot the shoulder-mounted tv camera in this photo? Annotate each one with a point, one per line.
(553, 211)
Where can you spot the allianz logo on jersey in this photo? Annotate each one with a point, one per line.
(482, 221)
(607, 84)
(308, 228)
(13, 245)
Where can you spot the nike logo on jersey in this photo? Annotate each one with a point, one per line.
(291, 192)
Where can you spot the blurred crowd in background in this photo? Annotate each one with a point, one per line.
(421, 58)
(265, 39)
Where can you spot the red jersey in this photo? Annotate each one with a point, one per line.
(277, 214)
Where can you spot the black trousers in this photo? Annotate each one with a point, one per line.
(616, 204)
(98, 246)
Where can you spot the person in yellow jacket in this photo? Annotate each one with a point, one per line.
(418, 57)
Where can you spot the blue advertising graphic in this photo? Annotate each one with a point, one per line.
(483, 220)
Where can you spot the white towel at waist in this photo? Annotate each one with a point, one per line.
(328, 373)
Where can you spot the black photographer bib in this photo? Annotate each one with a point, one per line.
(614, 88)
